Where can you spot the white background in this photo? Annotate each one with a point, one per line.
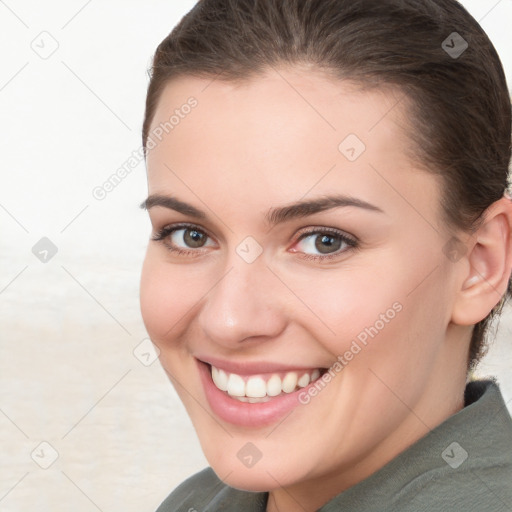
(68, 327)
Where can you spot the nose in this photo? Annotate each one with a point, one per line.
(244, 305)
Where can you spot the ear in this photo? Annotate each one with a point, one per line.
(485, 280)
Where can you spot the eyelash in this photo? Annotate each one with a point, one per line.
(165, 232)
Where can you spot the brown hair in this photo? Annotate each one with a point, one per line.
(459, 103)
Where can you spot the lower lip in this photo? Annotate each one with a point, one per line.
(246, 414)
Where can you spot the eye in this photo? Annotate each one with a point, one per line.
(183, 238)
(324, 243)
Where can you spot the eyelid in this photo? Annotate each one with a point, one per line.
(165, 232)
(350, 240)
(170, 228)
(352, 243)
(324, 229)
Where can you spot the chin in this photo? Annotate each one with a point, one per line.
(258, 475)
(249, 479)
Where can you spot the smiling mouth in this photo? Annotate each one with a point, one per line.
(263, 387)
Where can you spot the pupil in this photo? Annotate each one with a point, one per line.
(193, 238)
(330, 243)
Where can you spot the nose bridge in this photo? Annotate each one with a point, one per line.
(244, 303)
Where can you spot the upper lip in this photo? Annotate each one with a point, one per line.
(252, 368)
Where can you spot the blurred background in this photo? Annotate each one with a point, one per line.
(88, 419)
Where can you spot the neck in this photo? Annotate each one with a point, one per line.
(443, 396)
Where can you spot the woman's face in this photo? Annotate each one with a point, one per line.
(296, 235)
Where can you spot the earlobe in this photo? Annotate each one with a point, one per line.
(490, 264)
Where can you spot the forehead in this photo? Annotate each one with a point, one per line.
(289, 102)
(281, 136)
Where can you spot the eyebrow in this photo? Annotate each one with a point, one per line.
(275, 215)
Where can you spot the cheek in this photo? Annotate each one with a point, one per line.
(377, 308)
(344, 303)
(167, 297)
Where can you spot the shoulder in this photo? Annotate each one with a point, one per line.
(473, 450)
(204, 491)
(462, 465)
(201, 484)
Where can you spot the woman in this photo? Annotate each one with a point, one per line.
(331, 238)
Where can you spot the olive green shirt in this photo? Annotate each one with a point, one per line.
(462, 465)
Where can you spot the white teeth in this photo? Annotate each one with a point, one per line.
(220, 378)
(303, 381)
(256, 389)
(236, 385)
(290, 382)
(274, 386)
(252, 400)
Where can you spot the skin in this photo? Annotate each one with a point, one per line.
(267, 142)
